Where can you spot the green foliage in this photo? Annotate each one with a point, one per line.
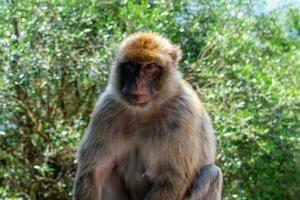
(54, 61)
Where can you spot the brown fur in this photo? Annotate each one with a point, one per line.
(163, 151)
(148, 46)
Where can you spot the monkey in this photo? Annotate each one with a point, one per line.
(149, 135)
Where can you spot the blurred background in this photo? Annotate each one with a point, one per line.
(242, 57)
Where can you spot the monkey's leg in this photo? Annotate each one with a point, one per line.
(207, 185)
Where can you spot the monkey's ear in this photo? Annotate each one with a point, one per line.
(175, 54)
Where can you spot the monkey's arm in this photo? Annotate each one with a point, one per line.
(95, 158)
(92, 168)
(97, 151)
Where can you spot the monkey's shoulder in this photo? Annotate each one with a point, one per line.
(107, 105)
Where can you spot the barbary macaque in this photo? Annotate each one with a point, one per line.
(149, 135)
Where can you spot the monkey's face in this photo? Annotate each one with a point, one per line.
(139, 82)
(144, 72)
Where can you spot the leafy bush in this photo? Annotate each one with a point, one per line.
(244, 63)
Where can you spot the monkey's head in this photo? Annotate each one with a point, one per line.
(145, 71)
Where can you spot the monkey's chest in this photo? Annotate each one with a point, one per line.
(137, 176)
(144, 162)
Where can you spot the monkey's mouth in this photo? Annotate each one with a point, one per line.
(138, 99)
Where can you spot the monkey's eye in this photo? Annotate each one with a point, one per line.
(132, 63)
(131, 66)
(150, 68)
